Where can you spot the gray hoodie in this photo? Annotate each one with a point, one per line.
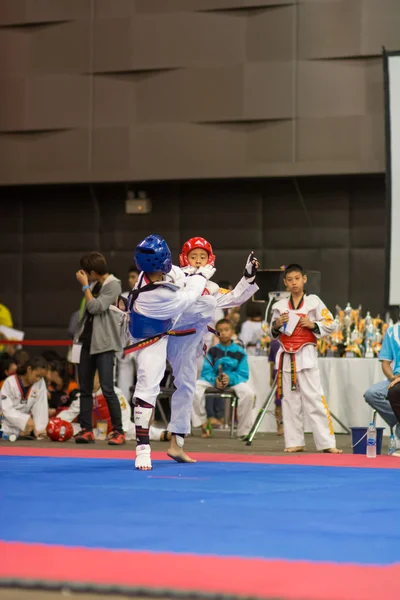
(106, 323)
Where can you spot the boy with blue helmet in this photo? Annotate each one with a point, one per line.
(161, 295)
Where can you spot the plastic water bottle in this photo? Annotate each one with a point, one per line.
(392, 445)
(371, 441)
(258, 348)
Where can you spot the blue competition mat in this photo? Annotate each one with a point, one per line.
(227, 509)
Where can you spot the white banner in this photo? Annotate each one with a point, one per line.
(393, 78)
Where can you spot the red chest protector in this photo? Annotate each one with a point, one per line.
(101, 412)
(301, 336)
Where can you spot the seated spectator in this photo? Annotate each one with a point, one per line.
(252, 331)
(377, 395)
(8, 367)
(24, 400)
(226, 366)
(102, 414)
(61, 386)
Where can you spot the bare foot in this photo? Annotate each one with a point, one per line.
(180, 456)
(176, 452)
(295, 449)
(332, 451)
(280, 429)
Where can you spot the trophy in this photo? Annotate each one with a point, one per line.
(347, 325)
(369, 336)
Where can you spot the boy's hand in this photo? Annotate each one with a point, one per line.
(219, 384)
(207, 271)
(225, 379)
(305, 322)
(251, 267)
(281, 320)
(82, 277)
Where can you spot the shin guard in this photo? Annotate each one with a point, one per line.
(142, 415)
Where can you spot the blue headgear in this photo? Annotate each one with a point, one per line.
(153, 254)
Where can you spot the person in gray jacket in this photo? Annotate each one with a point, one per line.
(98, 339)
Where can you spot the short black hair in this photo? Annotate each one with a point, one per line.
(223, 322)
(5, 364)
(133, 269)
(38, 362)
(294, 268)
(94, 261)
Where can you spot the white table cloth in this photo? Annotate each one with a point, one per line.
(344, 381)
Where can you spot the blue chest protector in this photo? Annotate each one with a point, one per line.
(144, 327)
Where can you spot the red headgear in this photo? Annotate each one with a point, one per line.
(59, 430)
(196, 242)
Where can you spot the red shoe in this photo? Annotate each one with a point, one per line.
(116, 438)
(84, 437)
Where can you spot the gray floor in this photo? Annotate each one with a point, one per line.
(264, 443)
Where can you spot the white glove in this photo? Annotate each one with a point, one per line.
(251, 267)
(189, 270)
(207, 271)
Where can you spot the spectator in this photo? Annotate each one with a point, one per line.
(8, 367)
(377, 395)
(96, 340)
(126, 364)
(252, 331)
(61, 386)
(226, 366)
(133, 276)
(24, 400)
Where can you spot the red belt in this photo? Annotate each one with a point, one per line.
(152, 340)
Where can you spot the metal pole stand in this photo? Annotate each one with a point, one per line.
(261, 414)
(347, 430)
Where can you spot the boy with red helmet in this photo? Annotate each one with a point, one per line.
(197, 257)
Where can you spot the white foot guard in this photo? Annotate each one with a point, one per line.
(143, 458)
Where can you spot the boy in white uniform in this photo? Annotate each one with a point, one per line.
(162, 294)
(299, 383)
(24, 400)
(197, 257)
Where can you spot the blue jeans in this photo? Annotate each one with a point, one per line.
(376, 396)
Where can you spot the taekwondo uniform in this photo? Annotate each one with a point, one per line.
(155, 312)
(183, 353)
(299, 383)
(19, 404)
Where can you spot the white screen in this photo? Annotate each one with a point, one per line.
(394, 99)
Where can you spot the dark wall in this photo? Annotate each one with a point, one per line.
(335, 224)
(127, 90)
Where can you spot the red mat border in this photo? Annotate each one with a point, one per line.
(314, 460)
(261, 578)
